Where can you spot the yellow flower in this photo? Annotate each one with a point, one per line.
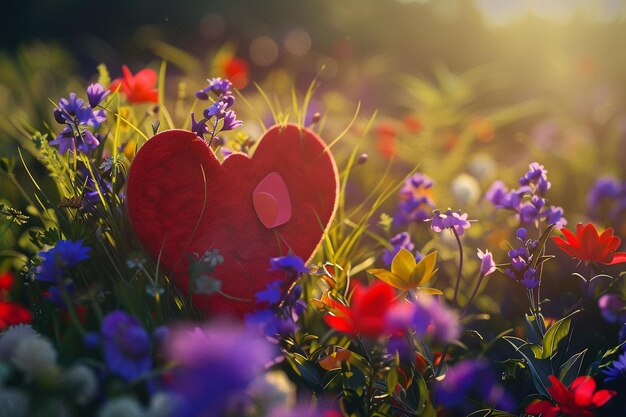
(407, 274)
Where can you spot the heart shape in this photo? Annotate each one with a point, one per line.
(281, 200)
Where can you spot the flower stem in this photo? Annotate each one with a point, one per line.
(455, 300)
(469, 302)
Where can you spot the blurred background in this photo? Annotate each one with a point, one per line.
(451, 79)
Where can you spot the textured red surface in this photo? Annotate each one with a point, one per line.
(181, 201)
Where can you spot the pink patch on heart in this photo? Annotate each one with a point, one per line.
(271, 201)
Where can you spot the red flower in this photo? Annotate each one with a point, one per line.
(367, 312)
(6, 281)
(386, 135)
(573, 402)
(588, 246)
(138, 88)
(236, 70)
(11, 314)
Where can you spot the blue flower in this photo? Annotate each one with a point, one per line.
(65, 254)
(290, 264)
(214, 365)
(126, 345)
(617, 369)
(271, 294)
(461, 382)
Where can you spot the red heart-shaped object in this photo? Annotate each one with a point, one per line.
(182, 201)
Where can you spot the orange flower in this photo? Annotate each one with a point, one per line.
(588, 246)
(138, 88)
(335, 359)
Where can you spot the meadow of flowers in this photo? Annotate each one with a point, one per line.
(184, 246)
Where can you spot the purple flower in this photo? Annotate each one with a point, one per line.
(527, 201)
(554, 215)
(268, 323)
(65, 254)
(499, 195)
(399, 241)
(214, 365)
(487, 264)
(216, 86)
(529, 279)
(199, 128)
(461, 382)
(89, 141)
(230, 121)
(603, 188)
(415, 204)
(432, 316)
(613, 308)
(126, 345)
(536, 176)
(427, 316)
(450, 220)
(65, 140)
(616, 370)
(216, 109)
(73, 110)
(95, 94)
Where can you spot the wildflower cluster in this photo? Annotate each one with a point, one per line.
(219, 110)
(415, 202)
(81, 120)
(280, 302)
(529, 200)
(522, 260)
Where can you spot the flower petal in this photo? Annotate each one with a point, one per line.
(618, 258)
(545, 408)
(583, 388)
(601, 397)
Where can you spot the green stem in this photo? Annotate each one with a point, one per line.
(469, 302)
(455, 301)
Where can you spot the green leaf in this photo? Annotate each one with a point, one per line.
(392, 380)
(571, 368)
(553, 336)
(540, 376)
